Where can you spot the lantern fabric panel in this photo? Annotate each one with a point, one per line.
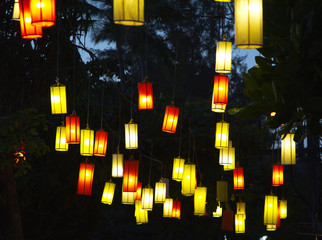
(270, 227)
(220, 91)
(227, 221)
(131, 135)
(160, 192)
(188, 183)
(241, 208)
(100, 145)
(176, 209)
(283, 208)
(288, 150)
(219, 108)
(117, 165)
(278, 175)
(128, 198)
(58, 99)
(85, 178)
(43, 12)
(223, 57)
(239, 178)
(108, 193)
(60, 144)
(222, 135)
(73, 129)
(270, 210)
(200, 197)
(227, 155)
(239, 223)
(130, 177)
(167, 207)
(222, 191)
(170, 119)
(140, 214)
(278, 223)
(28, 31)
(145, 96)
(232, 165)
(128, 12)
(138, 193)
(218, 212)
(177, 171)
(147, 198)
(16, 11)
(87, 142)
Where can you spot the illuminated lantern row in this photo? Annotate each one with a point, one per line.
(147, 198)
(220, 93)
(189, 183)
(130, 177)
(117, 165)
(85, 178)
(222, 135)
(131, 135)
(223, 57)
(160, 192)
(100, 145)
(222, 191)
(218, 212)
(177, 171)
(270, 210)
(128, 198)
(239, 223)
(167, 207)
(200, 201)
(140, 214)
(58, 99)
(72, 129)
(42, 12)
(248, 23)
(239, 178)
(138, 193)
(145, 95)
(278, 175)
(283, 208)
(176, 209)
(60, 144)
(87, 141)
(227, 155)
(288, 150)
(241, 208)
(16, 12)
(108, 193)
(170, 119)
(28, 31)
(128, 12)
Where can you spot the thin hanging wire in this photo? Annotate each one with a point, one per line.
(74, 71)
(150, 162)
(175, 71)
(222, 20)
(88, 101)
(146, 47)
(180, 137)
(102, 106)
(58, 46)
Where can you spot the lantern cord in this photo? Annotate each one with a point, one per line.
(102, 106)
(88, 101)
(58, 46)
(223, 116)
(146, 46)
(180, 137)
(175, 71)
(74, 70)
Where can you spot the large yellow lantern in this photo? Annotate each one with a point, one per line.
(128, 198)
(61, 144)
(177, 171)
(222, 135)
(160, 192)
(283, 208)
(200, 201)
(239, 223)
(131, 135)
(147, 198)
(248, 23)
(189, 183)
(270, 210)
(128, 12)
(167, 207)
(117, 165)
(222, 191)
(87, 142)
(227, 155)
(218, 212)
(241, 208)
(288, 150)
(58, 98)
(140, 214)
(223, 57)
(108, 193)
(16, 11)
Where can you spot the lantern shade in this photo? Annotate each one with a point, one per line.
(220, 91)
(87, 142)
(131, 135)
(218, 212)
(60, 144)
(248, 23)
(147, 198)
(222, 191)
(176, 209)
(223, 57)
(58, 99)
(160, 192)
(219, 108)
(288, 150)
(283, 208)
(145, 95)
(108, 193)
(128, 12)
(222, 135)
(100, 145)
(167, 207)
(239, 223)
(270, 210)
(189, 183)
(117, 165)
(170, 119)
(232, 165)
(278, 175)
(42, 12)
(227, 221)
(85, 178)
(140, 214)
(72, 129)
(130, 177)
(200, 201)
(177, 171)
(239, 178)
(227, 155)
(138, 193)
(270, 227)
(241, 208)
(16, 12)
(28, 31)
(128, 198)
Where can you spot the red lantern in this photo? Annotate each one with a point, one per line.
(170, 120)
(28, 31)
(145, 95)
(138, 193)
(220, 92)
(100, 143)
(72, 129)
(43, 12)
(130, 177)
(85, 178)
(239, 178)
(176, 209)
(278, 224)
(278, 175)
(227, 221)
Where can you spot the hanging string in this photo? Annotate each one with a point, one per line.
(58, 46)
(180, 137)
(146, 46)
(222, 21)
(74, 70)
(88, 101)
(102, 106)
(175, 71)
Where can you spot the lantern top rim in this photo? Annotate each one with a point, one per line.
(74, 114)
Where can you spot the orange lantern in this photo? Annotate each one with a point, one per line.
(145, 95)
(43, 12)
(100, 143)
(278, 175)
(130, 176)
(138, 193)
(72, 129)
(85, 178)
(239, 178)
(28, 31)
(170, 120)
(176, 209)
(220, 91)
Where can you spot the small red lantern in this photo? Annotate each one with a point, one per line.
(227, 221)
(72, 129)
(220, 92)
(85, 178)
(43, 12)
(130, 176)
(100, 143)
(278, 175)
(239, 178)
(28, 31)
(170, 120)
(138, 193)
(176, 209)
(145, 95)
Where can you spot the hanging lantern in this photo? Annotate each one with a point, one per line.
(177, 171)
(170, 119)
(239, 223)
(239, 178)
(200, 201)
(220, 91)
(176, 209)
(278, 175)
(248, 23)
(222, 191)
(232, 156)
(223, 58)
(227, 155)
(288, 150)
(58, 99)
(241, 208)
(131, 135)
(160, 192)
(138, 193)
(283, 208)
(222, 135)
(117, 165)
(61, 144)
(43, 12)
(167, 207)
(87, 141)
(140, 214)
(130, 177)
(227, 221)
(145, 95)
(273, 114)
(72, 129)
(16, 12)
(128, 12)
(219, 108)
(270, 227)
(188, 184)
(218, 212)
(270, 210)
(100, 143)
(147, 198)
(128, 198)
(85, 178)
(108, 193)
(28, 31)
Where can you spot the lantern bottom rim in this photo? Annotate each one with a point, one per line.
(43, 23)
(129, 22)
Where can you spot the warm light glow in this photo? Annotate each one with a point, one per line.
(43, 12)
(85, 178)
(170, 119)
(108, 193)
(72, 129)
(87, 142)
(278, 175)
(222, 191)
(189, 183)
(28, 31)
(128, 198)
(270, 210)
(147, 198)
(128, 12)
(283, 208)
(131, 135)
(239, 178)
(222, 135)
(60, 144)
(288, 150)
(177, 172)
(220, 93)
(117, 165)
(200, 201)
(273, 114)
(160, 192)
(16, 11)
(241, 208)
(218, 212)
(227, 155)
(270, 227)
(239, 223)
(138, 193)
(176, 209)
(140, 214)
(167, 207)
(100, 145)
(130, 177)
(223, 57)
(145, 95)
(40, 5)
(58, 99)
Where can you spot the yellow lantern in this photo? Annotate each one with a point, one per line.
(249, 23)
(222, 191)
(160, 192)
(283, 208)
(222, 135)
(200, 201)
(117, 165)
(288, 150)
(128, 198)
(241, 208)
(140, 214)
(232, 159)
(189, 183)
(61, 144)
(108, 193)
(218, 212)
(131, 135)
(223, 57)
(219, 108)
(270, 227)
(239, 223)
(87, 142)
(270, 210)
(16, 11)
(177, 172)
(147, 198)
(128, 12)
(58, 98)
(167, 207)
(227, 155)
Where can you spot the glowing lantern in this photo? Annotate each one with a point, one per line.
(239, 223)
(131, 135)
(167, 207)
(170, 119)
(130, 177)
(241, 208)
(61, 144)
(223, 57)
(227, 221)
(227, 155)
(85, 178)
(87, 141)
(273, 114)
(248, 23)
(128, 12)
(219, 108)
(117, 165)
(16, 12)
(160, 192)
(58, 99)
(288, 150)
(278, 224)
(176, 209)
(178, 166)
(147, 198)
(232, 165)
(270, 227)
(200, 201)
(108, 193)
(270, 210)
(72, 129)
(140, 214)
(128, 198)
(100, 143)
(283, 208)
(222, 191)
(43, 12)
(145, 95)
(278, 175)
(28, 31)
(239, 178)
(188, 184)
(138, 193)
(218, 212)
(222, 135)
(220, 91)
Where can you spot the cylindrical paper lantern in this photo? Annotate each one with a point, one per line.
(270, 210)
(270, 227)
(87, 142)
(28, 31)
(58, 99)
(167, 207)
(16, 11)
(138, 193)
(283, 208)
(239, 223)
(222, 135)
(278, 175)
(131, 135)
(170, 119)
(147, 198)
(85, 178)
(241, 208)
(222, 191)
(72, 129)
(100, 143)
(227, 155)
(128, 198)
(128, 12)
(220, 91)
(223, 57)
(176, 209)
(42, 12)
(232, 165)
(227, 221)
(239, 178)
(117, 165)
(160, 192)
(60, 144)
(130, 177)
(219, 108)
(145, 95)
(108, 193)
(200, 201)
(288, 150)
(177, 171)
(189, 183)
(140, 214)
(218, 212)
